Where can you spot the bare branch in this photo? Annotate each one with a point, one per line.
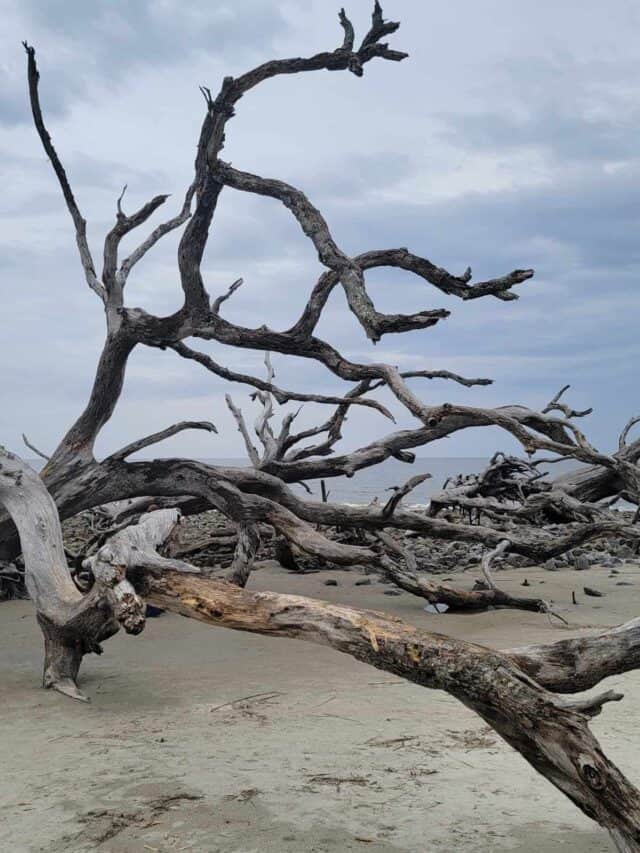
(350, 273)
(157, 234)
(215, 307)
(592, 705)
(568, 412)
(114, 282)
(379, 27)
(156, 437)
(349, 34)
(444, 281)
(400, 492)
(280, 394)
(72, 206)
(444, 374)
(622, 441)
(35, 449)
(254, 456)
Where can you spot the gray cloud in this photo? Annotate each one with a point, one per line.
(108, 41)
(579, 137)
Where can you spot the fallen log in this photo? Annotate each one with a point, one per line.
(550, 732)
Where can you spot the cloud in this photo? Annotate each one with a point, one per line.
(85, 47)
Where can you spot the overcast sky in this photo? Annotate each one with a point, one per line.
(509, 138)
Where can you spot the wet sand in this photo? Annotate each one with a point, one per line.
(209, 740)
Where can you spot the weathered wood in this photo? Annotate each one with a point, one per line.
(550, 733)
(580, 663)
(73, 624)
(136, 546)
(244, 554)
(407, 577)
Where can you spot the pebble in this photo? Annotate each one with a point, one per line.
(593, 592)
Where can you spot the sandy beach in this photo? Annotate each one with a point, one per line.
(206, 739)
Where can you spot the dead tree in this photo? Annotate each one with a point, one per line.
(550, 732)
(515, 691)
(78, 481)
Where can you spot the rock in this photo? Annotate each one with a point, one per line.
(392, 592)
(525, 582)
(550, 566)
(593, 592)
(363, 582)
(331, 582)
(624, 583)
(581, 563)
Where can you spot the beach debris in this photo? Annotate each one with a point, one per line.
(595, 593)
(436, 608)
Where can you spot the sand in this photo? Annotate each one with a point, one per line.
(327, 755)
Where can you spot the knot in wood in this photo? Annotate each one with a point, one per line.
(592, 776)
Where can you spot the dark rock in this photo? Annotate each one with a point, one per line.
(593, 592)
(363, 582)
(331, 582)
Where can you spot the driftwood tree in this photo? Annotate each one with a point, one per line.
(514, 691)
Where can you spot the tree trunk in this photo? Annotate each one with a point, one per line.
(73, 624)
